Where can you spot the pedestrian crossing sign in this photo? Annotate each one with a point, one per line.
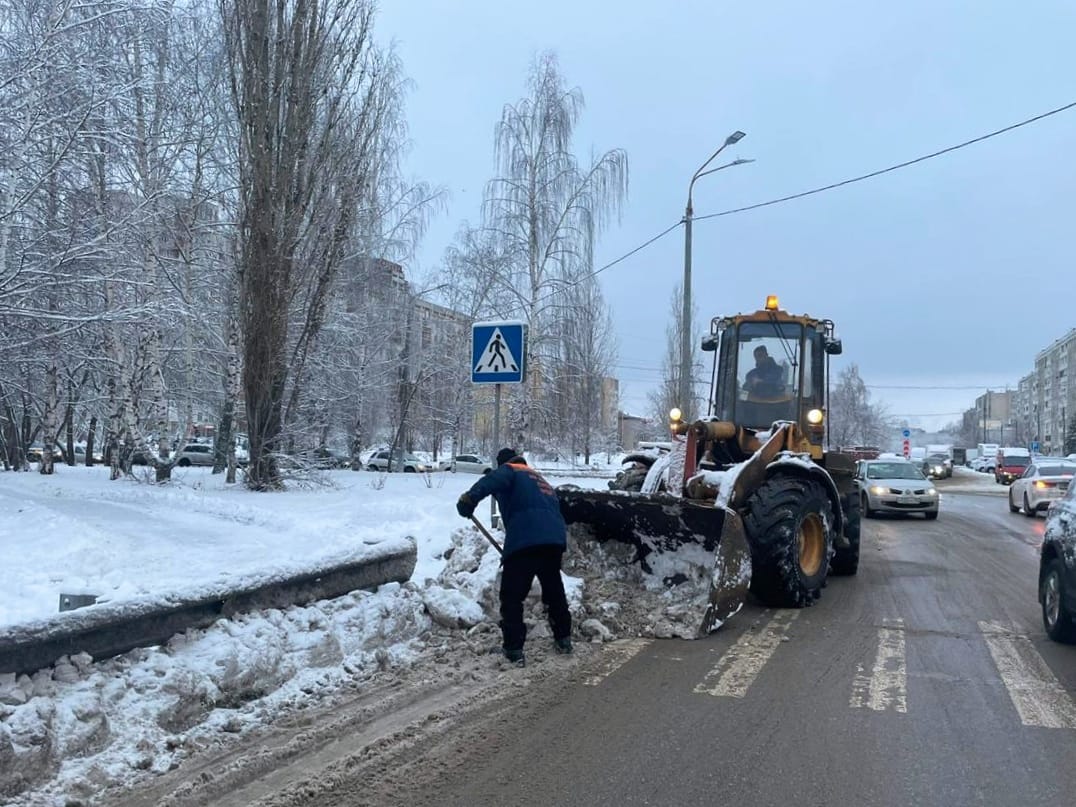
(498, 352)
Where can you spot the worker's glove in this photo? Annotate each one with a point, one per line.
(465, 506)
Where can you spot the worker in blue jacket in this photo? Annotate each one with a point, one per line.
(535, 540)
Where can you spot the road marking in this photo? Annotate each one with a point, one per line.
(1039, 698)
(737, 668)
(614, 656)
(887, 685)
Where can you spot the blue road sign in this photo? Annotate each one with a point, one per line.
(906, 433)
(498, 352)
(1034, 446)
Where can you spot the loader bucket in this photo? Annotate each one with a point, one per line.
(668, 534)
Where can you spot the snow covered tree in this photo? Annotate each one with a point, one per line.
(853, 419)
(310, 94)
(545, 210)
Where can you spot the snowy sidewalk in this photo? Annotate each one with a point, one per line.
(76, 532)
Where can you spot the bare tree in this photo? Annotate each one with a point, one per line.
(667, 395)
(309, 97)
(853, 418)
(545, 210)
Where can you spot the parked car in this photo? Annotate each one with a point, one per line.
(895, 486)
(467, 464)
(401, 461)
(196, 454)
(329, 458)
(984, 465)
(1057, 570)
(1043, 482)
(33, 453)
(937, 466)
(1011, 464)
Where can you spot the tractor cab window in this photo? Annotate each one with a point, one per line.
(767, 372)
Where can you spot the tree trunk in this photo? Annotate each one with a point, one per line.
(91, 438)
(48, 421)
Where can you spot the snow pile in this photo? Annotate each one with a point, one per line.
(669, 602)
(87, 726)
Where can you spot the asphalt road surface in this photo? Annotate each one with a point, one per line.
(924, 680)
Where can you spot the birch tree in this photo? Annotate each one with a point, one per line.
(546, 209)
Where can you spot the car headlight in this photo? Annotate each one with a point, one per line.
(878, 490)
(932, 492)
(938, 469)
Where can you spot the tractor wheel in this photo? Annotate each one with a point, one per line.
(788, 524)
(846, 560)
(630, 479)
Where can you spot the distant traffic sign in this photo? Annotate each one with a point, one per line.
(1034, 446)
(498, 352)
(906, 433)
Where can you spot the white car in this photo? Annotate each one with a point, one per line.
(467, 464)
(401, 461)
(984, 464)
(895, 486)
(1043, 482)
(196, 454)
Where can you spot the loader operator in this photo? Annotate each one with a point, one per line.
(767, 379)
(535, 540)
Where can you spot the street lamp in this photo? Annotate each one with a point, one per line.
(684, 392)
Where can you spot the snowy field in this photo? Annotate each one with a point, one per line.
(71, 731)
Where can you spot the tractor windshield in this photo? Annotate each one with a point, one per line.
(767, 372)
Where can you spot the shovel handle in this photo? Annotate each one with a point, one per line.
(485, 532)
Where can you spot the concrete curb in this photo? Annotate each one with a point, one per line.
(113, 628)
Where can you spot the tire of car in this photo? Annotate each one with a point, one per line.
(1012, 509)
(1027, 508)
(409, 469)
(184, 463)
(931, 515)
(486, 471)
(865, 507)
(1060, 625)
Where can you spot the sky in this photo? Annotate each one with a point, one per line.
(948, 275)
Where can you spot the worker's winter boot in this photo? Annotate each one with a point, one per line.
(515, 656)
(563, 645)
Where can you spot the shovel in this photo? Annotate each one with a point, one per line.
(485, 532)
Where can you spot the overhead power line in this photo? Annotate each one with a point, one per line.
(813, 191)
(896, 167)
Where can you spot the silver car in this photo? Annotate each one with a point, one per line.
(467, 463)
(1042, 482)
(401, 461)
(895, 486)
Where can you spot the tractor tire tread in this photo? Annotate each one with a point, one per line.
(771, 519)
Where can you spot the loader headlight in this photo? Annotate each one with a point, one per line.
(675, 414)
(815, 417)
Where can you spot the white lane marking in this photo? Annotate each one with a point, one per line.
(887, 685)
(614, 656)
(1038, 696)
(738, 667)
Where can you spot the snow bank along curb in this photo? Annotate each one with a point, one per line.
(109, 629)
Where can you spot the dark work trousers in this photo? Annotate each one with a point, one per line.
(520, 569)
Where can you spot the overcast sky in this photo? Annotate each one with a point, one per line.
(952, 272)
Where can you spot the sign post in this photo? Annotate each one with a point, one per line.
(498, 356)
(907, 445)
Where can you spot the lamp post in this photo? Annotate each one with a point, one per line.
(684, 391)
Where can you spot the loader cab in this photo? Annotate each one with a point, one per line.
(770, 366)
